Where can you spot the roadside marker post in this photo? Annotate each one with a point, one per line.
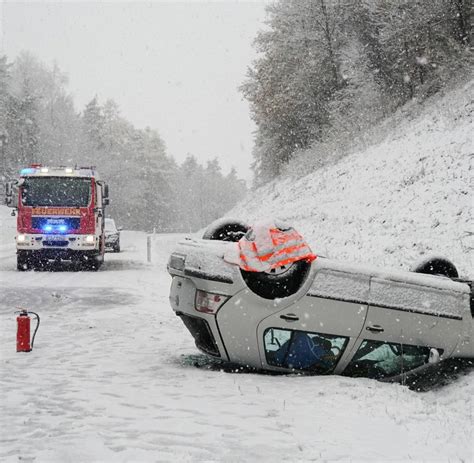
(148, 248)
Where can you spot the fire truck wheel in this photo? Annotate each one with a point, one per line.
(283, 282)
(37, 263)
(92, 266)
(96, 264)
(436, 265)
(22, 262)
(90, 263)
(226, 230)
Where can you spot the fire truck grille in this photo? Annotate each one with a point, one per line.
(56, 243)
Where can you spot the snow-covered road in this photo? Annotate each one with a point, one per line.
(112, 377)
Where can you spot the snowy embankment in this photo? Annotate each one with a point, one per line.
(393, 203)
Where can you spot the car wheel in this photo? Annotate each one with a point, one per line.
(226, 230)
(277, 283)
(436, 266)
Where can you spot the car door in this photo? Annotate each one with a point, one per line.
(413, 314)
(331, 316)
(404, 321)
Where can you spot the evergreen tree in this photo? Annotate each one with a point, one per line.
(22, 114)
(92, 129)
(5, 166)
(290, 85)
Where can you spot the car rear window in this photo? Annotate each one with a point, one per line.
(110, 225)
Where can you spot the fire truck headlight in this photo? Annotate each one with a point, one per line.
(68, 170)
(21, 238)
(44, 170)
(89, 239)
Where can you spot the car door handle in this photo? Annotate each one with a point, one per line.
(289, 317)
(375, 329)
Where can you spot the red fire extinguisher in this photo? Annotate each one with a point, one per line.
(23, 331)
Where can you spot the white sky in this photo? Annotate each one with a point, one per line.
(173, 66)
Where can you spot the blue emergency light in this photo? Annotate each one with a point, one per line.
(27, 171)
(55, 225)
(48, 228)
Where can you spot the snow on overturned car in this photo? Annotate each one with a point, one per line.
(286, 310)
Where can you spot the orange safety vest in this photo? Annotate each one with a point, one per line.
(262, 249)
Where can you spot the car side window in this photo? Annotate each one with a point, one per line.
(302, 350)
(377, 359)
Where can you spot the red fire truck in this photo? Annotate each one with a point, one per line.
(60, 216)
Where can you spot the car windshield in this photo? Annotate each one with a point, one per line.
(56, 191)
(110, 225)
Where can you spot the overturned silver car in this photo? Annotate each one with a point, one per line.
(320, 317)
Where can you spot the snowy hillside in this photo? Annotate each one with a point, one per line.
(403, 198)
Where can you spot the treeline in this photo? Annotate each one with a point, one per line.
(148, 189)
(330, 68)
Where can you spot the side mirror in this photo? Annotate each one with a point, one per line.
(106, 191)
(106, 201)
(9, 193)
(434, 356)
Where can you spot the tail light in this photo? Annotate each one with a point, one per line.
(208, 302)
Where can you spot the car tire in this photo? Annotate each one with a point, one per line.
(435, 265)
(281, 283)
(226, 230)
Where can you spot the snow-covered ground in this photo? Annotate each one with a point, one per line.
(113, 377)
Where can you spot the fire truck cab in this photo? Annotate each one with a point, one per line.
(60, 216)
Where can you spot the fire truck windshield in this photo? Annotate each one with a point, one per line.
(56, 191)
